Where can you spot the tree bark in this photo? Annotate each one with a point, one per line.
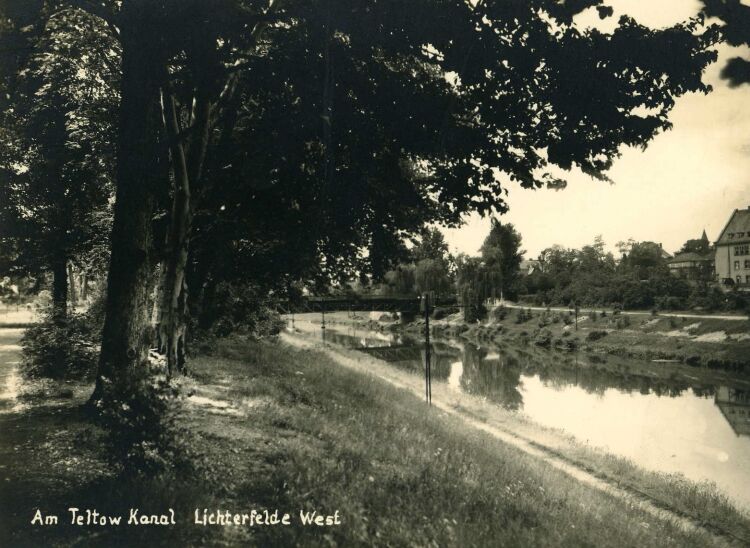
(84, 292)
(126, 336)
(72, 286)
(187, 167)
(60, 289)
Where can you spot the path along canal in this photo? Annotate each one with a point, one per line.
(664, 417)
(10, 351)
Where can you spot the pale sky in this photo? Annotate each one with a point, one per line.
(688, 179)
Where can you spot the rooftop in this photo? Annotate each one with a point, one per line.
(690, 256)
(737, 230)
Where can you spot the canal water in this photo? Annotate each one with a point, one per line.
(661, 416)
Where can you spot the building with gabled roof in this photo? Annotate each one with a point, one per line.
(692, 266)
(695, 261)
(732, 259)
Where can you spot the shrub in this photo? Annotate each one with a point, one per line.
(670, 303)
(236, 308)
(543, 338)
(569, 344)
(443, 312)
(544, 319)
(622, 322)
(595, 335)
(474, 312)
(500, 313)
(522, 316)
(139, 414)
(61, 350)
(389, 317)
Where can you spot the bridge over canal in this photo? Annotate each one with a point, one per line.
(407, 303)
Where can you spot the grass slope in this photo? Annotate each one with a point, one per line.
(287, 429)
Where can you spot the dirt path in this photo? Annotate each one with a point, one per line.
(467, 408)
(10, 354)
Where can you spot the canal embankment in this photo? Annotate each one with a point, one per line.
(273, 426)
(697, 502)
(702, 342)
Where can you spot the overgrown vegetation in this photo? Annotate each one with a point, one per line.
(235, 308)
(67, 350)
(140, 418)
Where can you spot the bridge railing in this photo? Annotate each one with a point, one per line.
(365, 304)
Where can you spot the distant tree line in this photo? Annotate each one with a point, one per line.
(639, 279)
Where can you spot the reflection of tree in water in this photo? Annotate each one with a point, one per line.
(496, 373)
(496, 378)
(408, 356)
(355, 339)
(595, 377)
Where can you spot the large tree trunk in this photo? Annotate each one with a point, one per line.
(60, 289)
(187, 166)
(84, 293)
(125, 336)
(72, 286)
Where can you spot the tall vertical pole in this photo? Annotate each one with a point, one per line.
(428, 357)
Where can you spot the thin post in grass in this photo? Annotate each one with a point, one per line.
(428, 365)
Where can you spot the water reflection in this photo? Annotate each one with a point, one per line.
(735, 406)
(498, 374)
(659, 415)
(491, 375)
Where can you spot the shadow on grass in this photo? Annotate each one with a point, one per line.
(51, 459)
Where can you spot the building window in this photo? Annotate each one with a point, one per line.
(739, 279)
(747, 263)
(742, 250)
(736, 265)
(731, 235)
(747, 279)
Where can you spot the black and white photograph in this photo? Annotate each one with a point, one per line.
(419, 273)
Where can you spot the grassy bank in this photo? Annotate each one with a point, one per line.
(280, 428)
(709, 343)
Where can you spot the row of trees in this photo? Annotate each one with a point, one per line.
(591, 276)
(430, 267)
(297, 141)
(640, 279)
